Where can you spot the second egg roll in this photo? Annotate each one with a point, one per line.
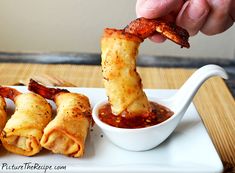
(67, 132)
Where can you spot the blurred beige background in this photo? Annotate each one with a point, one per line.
(76, 26)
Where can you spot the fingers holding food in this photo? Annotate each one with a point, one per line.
(119, 51)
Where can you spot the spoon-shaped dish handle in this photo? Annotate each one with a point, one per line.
(181, 100)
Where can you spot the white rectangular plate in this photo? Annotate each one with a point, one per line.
(188, 149)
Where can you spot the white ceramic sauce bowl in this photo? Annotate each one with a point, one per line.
(146, 138)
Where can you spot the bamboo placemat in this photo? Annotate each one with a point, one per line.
(213, 101)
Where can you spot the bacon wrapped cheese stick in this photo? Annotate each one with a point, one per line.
(119, 51)
(3, 114)
(67, 132)
(23, 131)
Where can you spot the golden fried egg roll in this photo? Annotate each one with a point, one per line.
(121, 80)
(66, 133)
(23, 131)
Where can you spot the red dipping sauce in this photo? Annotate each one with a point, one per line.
(158, 114)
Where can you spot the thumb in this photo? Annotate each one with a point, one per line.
(156, 8)
(193, 15)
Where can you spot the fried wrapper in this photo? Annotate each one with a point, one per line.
(121, 80)
(24, 129)
(67, 132)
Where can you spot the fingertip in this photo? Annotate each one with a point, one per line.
(138, 7)
(143, 9)
(157, 38)
(154, 9)
(147, 13)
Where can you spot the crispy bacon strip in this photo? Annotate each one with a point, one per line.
(144, 28)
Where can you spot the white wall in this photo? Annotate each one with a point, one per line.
(76, 25)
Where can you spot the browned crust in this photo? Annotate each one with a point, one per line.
(173, 32)
(141, 27)
(144, 28)
(121, 34)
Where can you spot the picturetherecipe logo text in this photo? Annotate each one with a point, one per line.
(30, 166)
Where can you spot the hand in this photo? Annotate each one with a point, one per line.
(208, 16)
